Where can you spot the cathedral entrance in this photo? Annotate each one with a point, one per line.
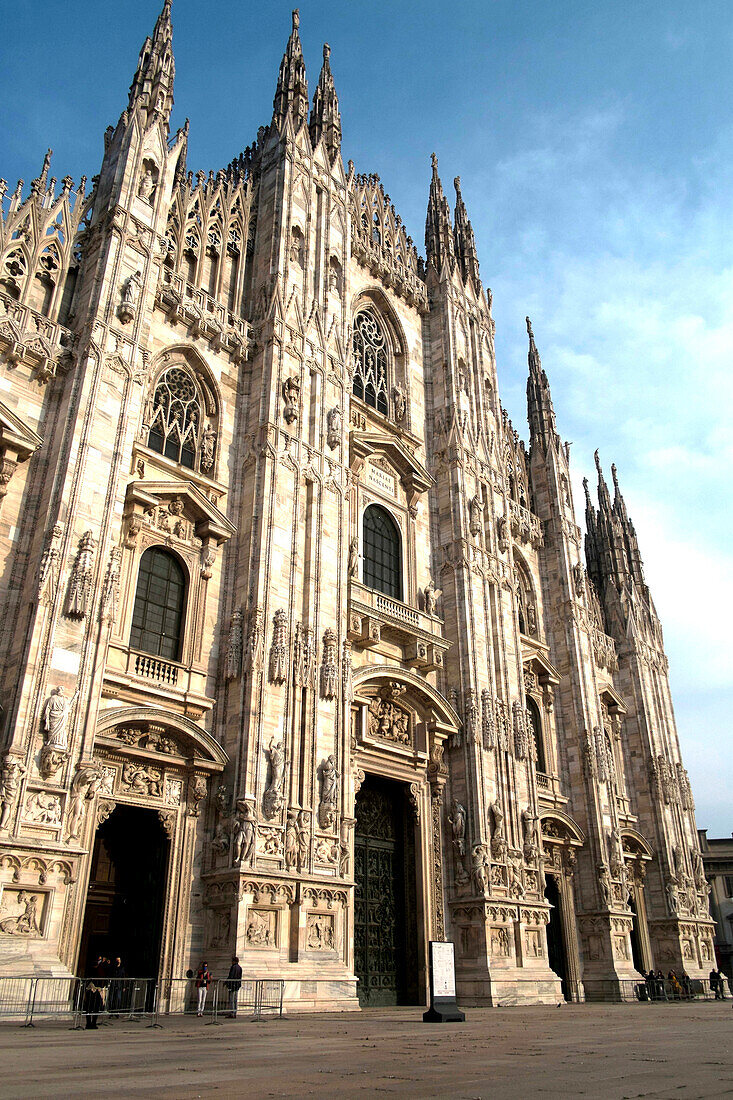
(385, 911)
(555, 941)
(125, 899)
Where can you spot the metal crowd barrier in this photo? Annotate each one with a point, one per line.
(256, 996)
(654, 990)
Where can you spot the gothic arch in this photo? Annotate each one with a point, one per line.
(204, 749)
(638, 845)
(526, 597)
(563, 827)
(427, 700)
(207, 402)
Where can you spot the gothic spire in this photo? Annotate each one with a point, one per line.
(439, 245)
(629, 533)
(152, 86)
(540, 412)
(465, 241)
(325, 117)
(291, 94)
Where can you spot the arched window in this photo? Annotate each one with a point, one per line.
(370, 361)
(382, 552)
(176, 417)
(536, 723)
(157, 618)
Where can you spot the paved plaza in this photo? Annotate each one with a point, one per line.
(675, 1050)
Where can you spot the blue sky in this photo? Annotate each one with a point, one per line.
(595, 149)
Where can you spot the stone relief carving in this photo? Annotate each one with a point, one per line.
(500, 942)
(19, 915)
(387, 720)
(304, 656)
(84, 788)
(42, 808)
(13, 771)
(78, 595)
(272, 801)
(48, 573)
(329, 665)
(196, 794)
(261, 928)
(243, 832)
(457, 821)
(487, 721)
(329, 793)
(129, 294)
(279, 648)
(140, 779)
(319, 932)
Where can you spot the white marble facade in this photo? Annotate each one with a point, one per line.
(231, 369)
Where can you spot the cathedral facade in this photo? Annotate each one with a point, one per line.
(303, 658)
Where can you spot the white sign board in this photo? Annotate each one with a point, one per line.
(382, 480)
(444, 969)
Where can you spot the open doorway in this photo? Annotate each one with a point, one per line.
(555, 941)
(126, 895)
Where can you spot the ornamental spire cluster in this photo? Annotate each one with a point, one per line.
(291, 93)
(152, 85)
(325, 120)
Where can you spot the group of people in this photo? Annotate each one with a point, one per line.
(660, 988)
(233, 985)
(104, 989)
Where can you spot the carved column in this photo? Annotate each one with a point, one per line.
(569, 931)
(436, 804)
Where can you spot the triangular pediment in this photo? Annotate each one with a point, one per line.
(412, 473)
(546, 672)
(16, 436)
(208, 521)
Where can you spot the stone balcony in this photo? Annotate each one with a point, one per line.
(202, 315)
(372, 616)
(549, 791)
(26, 336)
(526, 526)
(136, 677)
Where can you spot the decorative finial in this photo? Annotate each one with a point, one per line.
(434, 162)
(598, 463)
(587, 491)
(529, 328)
(457, 184)
(296, 18)
(326, 51)
(613, 475)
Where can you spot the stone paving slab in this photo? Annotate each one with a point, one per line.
(609, 1051)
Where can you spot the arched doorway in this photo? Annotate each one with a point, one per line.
(126, 893)
(385, 908)
(636, 953)
(555, 939)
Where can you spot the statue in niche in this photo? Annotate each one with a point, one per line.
(55, 718)
(12, 773)
(496, 822)
(303, 839)
(24, 923)
(208, 443)
(480, 868)
(604, 883)
(329, 793)
(529, 829)
(673, 899)
(457, 820)
(130, 292)
(273, 799)
(220, 839)
(148, 183)
(476, 508)
(243, 832)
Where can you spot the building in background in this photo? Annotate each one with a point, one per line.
(302, 657)
(717, 858)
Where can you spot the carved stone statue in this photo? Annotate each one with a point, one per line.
(148, 182)
(208, 444)
(479, 868)
(329, 665)
(496, 821)
(291, 841)
(604, 883)
(529, 830)
(334, 421)
(457, 820)
(291, 395)
(329, 793)
(353, 566)
(84, 787)
(279, 648)
(131, 288)
(55, 718)
(400, 403)
(303, 839)
(12, 773)
(673, 899)
(476, 520)
(243, 832)
(273, 799)
(431, 597)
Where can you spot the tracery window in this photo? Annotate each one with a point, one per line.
(157, 617)
(536, 722)
(382, 552)
(370, 361)
(175, 422)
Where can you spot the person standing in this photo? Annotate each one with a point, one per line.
(716, 984)
(203, 980)
(234, 984)
(117, 985)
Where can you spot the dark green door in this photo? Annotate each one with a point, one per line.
(384, 915)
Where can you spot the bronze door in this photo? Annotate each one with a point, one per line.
(383, 913)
